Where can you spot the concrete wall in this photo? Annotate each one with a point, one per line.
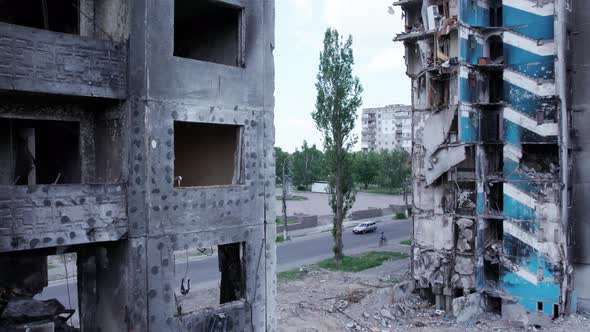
(162, 218)
(42, 61)
(581, 143)
(126, 228)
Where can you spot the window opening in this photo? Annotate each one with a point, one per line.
(206, 154)
(201, 289)
(40, 152)
(52, 15)
(209, 31)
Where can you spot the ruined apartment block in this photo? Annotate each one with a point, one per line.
(494, 210)
(132, 132)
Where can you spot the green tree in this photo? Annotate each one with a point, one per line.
(338, 99)
(281, 157)
(307, 165)
(366, 167)
(395, 169)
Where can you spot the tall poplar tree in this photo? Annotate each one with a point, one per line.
(338, 99)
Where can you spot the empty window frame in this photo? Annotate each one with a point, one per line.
(39, 152)
(229, 285)
(207, 154)
(52, 15)
(209, 30)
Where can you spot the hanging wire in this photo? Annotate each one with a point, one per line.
(67, 279)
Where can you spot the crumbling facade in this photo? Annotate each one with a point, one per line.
(492, 166)
(131, 130)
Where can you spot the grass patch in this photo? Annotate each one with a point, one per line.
(363, 262)
(290, 220)
(400, 215)
(291, 275)
(280, 239)
(292, 198)
(406, 242)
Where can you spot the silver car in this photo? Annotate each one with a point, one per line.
(365, 227)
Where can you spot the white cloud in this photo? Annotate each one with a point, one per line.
(385, 59)
(303, 8)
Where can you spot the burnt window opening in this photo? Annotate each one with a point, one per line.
(209, 31)
(540, 158)
(491, 125)
(496, 83)
(493, 250)
(495, 198)
(229, 284)
(494, 159)
(495, 13)
(40, 152)
(496, 46)
(52, 15)
(206, 154)
(494, 305)
(230, 258)
(440, 92)
(540, 306)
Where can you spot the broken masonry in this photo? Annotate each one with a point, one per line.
(494, 206)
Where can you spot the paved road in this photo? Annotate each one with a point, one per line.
(305, 250)
(317, 204)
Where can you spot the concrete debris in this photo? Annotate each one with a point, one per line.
(385, 313)
(402, 290)
(468, 308)
(466, 235)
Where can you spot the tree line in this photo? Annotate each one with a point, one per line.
(384, 171)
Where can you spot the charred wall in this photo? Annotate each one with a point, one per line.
(114, 88)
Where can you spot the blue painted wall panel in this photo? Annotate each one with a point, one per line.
(528, 24)
(516, 210)
(469, 127)
(468, 54)
(528, 63)
(527, 102)
(516, 135)
(473, 14)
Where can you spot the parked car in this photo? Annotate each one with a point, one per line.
(365, 227)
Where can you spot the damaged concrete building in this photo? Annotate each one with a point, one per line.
(500, 174)
(131, 131)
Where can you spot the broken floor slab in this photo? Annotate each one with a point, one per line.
(437, 127)
(442, 160)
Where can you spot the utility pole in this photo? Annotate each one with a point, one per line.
(284, 203)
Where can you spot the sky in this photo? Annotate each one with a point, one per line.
(299, 32)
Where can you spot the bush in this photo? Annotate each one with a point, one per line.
(400, 215)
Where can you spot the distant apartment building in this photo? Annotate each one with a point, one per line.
(386, 128)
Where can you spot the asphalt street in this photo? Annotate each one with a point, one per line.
(301, 251)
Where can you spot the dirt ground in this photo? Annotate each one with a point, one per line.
(362, 301)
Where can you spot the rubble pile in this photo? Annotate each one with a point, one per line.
(378, 300)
